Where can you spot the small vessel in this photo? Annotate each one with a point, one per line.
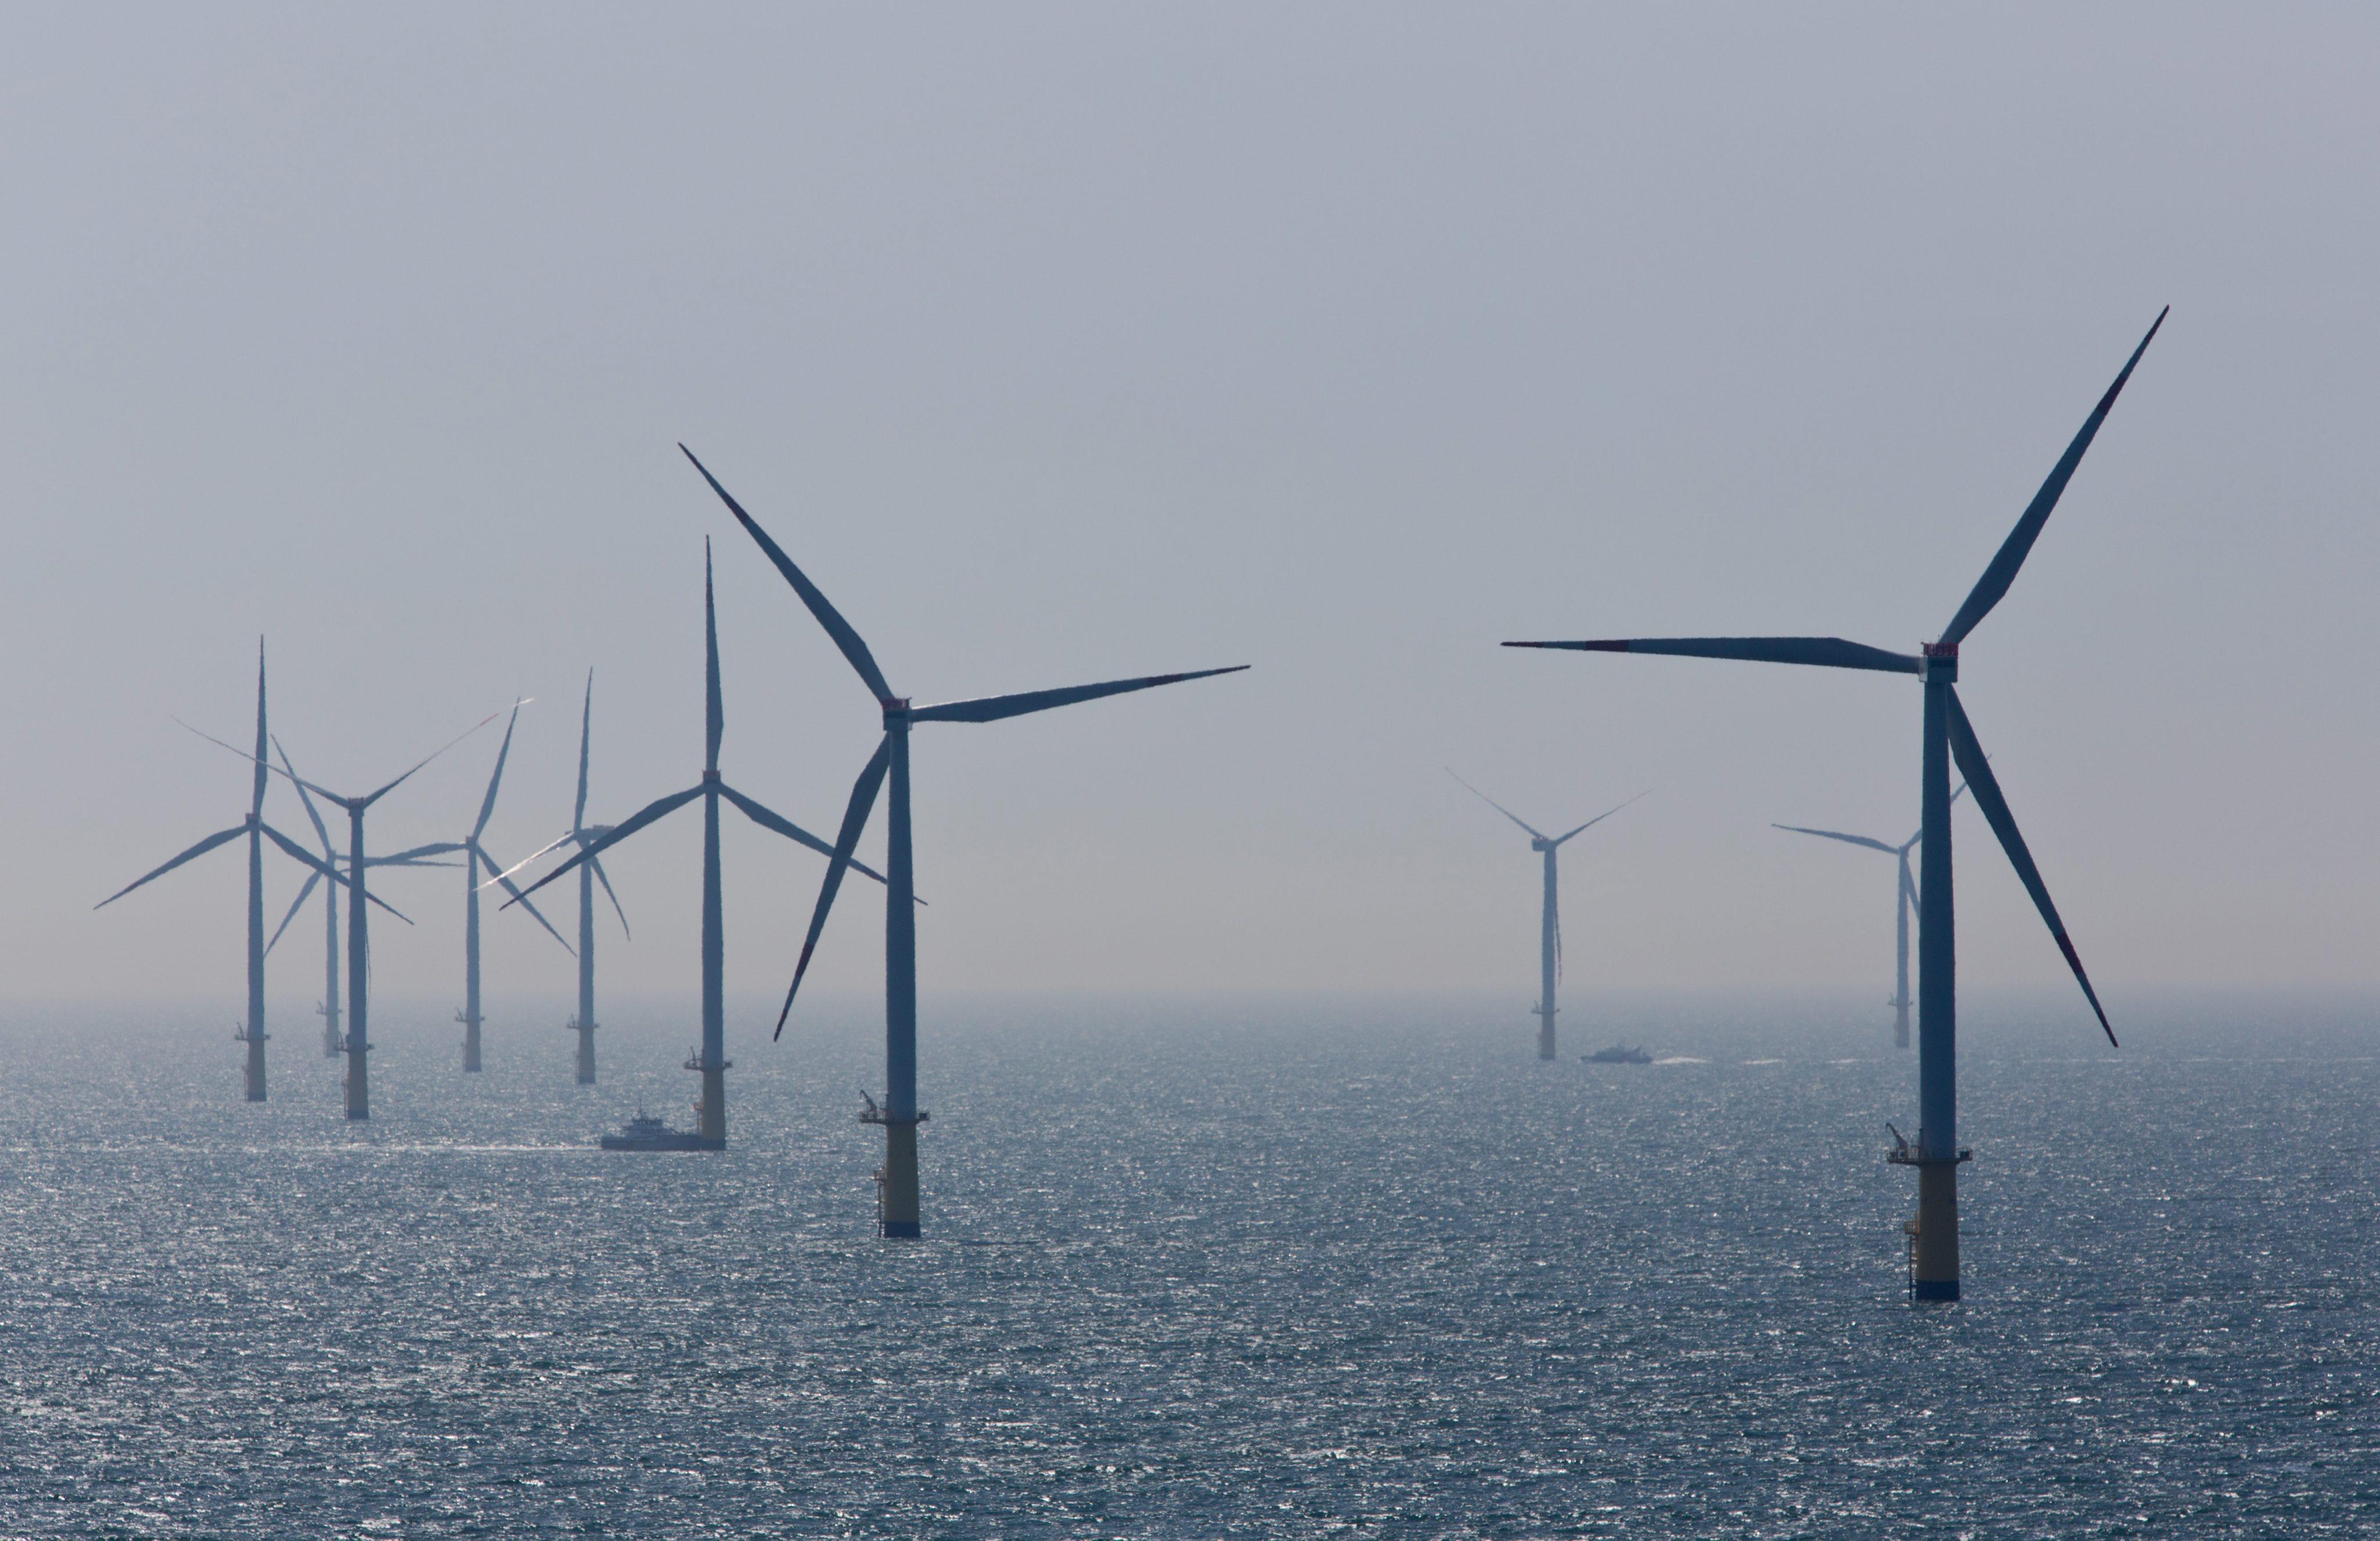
(645, 1132)
(1620, 1055)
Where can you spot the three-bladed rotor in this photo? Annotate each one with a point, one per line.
(1937, 661)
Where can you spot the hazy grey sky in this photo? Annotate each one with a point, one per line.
(1066, 343)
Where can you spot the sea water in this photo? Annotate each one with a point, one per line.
(1257, 1268)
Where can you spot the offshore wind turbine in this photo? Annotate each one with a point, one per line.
(1904, 901)
(898, 1113)
(1550, 922)
(710, 1059)
(251, 1032)
(359, 1040)
(334, 1044)
(1947, 735)
(584, 835)
(475, 854)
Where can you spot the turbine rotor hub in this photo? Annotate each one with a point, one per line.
(1941, 662)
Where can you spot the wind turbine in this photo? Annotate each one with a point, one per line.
(899, 1113)
(358, 1041)
(256, 831)
(710, 1113)
(1549, 923)
(1947, 735)
(584, 835)
(333, 1045)
(1905, 901)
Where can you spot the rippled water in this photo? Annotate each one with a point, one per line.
(1258, 1270)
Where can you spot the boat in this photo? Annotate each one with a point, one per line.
(1620, 1055)
(645, 1132)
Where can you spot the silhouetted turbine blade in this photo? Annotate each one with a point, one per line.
(201, 848)
(714, 708)
(295, 905)
(372, 797)
(521, 898)
(854, 650)
(488, 803)
(992, 709)
(606, 879)
(304, 796)
(779, 824)
(263, 770)
(1994, 584)
(323, 792)
(855, 820)
(1831, 652)
(1603, 815)
(659, 808)
(586, 732)
(300, 853)
(565, 838)
(412, 856)
(1971, 758)
(1492, 803)
(1838, 834)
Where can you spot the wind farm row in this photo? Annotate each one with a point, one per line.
(1947, 736)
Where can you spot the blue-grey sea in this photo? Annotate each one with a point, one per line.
(1198, 1269)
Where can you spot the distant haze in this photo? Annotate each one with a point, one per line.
(1061, 344)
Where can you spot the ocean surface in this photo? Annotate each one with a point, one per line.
(1283, 1268)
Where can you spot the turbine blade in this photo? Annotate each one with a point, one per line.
(1605, 814)
(304, 796)
(263, 768)
(779, 824)
(992, 709)
(855, 820)
(853, 651)
(606, 879)
(586, 731)
(1831, 652)
(412, 857)
(1970, 753)
(1838, 834)
(200, 849)
(481, 854)
(714, 713)
(300, 853)
(1492, 803)
(1907, 886)
(326, 792)
(1911, 844)
(1994, 584)
(370, 798)
(295, 905)
(559, 839)
(589, 848)
(488, 803)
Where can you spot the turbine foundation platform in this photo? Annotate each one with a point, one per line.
(1933, 1235)
(896, 1179)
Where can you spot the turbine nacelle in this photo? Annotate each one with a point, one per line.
(1941, 662)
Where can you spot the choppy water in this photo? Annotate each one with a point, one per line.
(1286, 1270)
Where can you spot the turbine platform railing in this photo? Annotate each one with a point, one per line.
(1903, 1154)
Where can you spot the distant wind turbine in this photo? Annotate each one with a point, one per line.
(358, 1041)
(1947, 735)
(711, 1060)
(1549, 923)
(333, 1043)
(1905, 901)
(583, 835)
(899, 1112)
(475, 854)
(256, 831)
